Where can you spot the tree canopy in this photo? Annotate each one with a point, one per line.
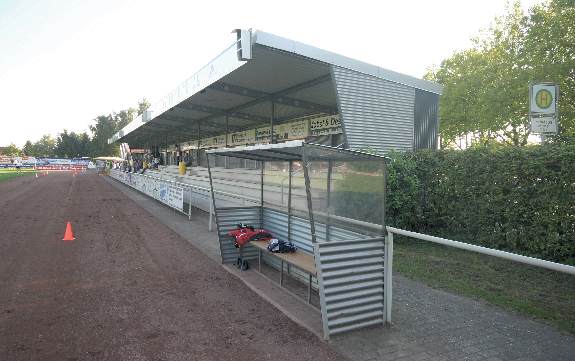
(71, 144)
(486, 86)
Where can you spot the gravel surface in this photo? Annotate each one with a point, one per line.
(128, 288)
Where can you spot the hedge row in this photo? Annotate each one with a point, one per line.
(519, 199)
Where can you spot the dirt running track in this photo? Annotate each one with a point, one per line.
(127, 288)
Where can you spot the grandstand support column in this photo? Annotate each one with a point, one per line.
(272, 139)
(227, 128)
(227, 132)
(198, 150)
(166, 157)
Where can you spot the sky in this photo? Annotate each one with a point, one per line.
(64, 62)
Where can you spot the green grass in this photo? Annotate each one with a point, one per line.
(6, 174)
(531, 291)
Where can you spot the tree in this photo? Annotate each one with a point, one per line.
(12, 149)
(107, 125)
(102, 130)
(42, 148)
(28, 149)
(144, 104)
(486, 87)
(70, 145)
(45, 147)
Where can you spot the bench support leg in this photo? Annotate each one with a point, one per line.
(309, 289)
(282, 274)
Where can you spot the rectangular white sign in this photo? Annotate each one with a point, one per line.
(544, 125)
(176, 197)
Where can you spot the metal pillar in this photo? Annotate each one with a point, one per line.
(272, 119)
(388, 277)
(227, 128)
(198, 150)
(328, 221)
(308, 194)
(290, 171)
(213, 201)
(383, 201)
(262, 194)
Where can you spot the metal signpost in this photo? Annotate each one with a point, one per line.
(543, 110)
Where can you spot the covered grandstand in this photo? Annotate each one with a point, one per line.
(264, 84)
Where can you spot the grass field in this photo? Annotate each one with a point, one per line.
(531, 291)
(6, 174)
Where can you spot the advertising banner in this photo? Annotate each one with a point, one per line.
(242, 138)
(175, 197)
(330, 124)
(213, 142)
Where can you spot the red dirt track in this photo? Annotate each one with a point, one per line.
(128, 288)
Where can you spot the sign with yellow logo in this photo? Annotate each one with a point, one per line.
(543, 108)
(543, 98)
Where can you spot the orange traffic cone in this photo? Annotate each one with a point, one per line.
(68, 235)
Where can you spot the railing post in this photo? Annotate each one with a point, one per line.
(388, 277)
(190, 206)
(211, 195)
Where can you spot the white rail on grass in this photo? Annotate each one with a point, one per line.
(388, 287)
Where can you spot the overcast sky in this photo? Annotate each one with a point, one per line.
(64, 62)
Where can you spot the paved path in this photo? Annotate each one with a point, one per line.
(428, 324)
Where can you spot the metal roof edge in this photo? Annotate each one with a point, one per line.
(292, 46)
(220, 66)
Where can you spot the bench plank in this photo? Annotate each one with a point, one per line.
(299, 259)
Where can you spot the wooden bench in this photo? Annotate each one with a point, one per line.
(299, 259)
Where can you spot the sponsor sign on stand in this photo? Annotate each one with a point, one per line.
(213, 142)
(330, 124)
(167, 193)
(176, 197)
(163, 192)
(242, 138)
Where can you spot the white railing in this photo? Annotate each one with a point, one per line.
(388, 288)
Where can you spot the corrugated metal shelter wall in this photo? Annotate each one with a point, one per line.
(228, 218)
(426, 125)
(375, 113)
(350, 275)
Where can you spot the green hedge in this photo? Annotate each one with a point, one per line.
(519, 199)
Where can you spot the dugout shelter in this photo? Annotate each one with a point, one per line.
(331, 194)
